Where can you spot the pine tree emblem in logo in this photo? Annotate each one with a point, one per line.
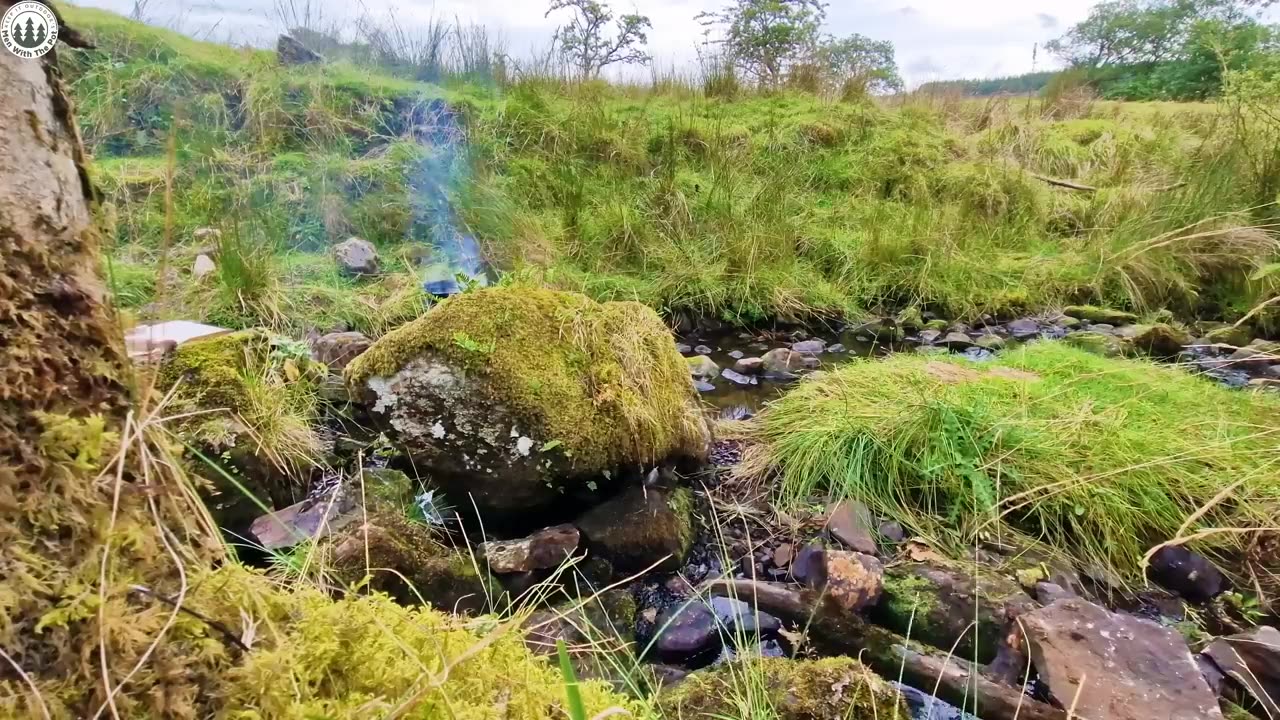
(29, 29)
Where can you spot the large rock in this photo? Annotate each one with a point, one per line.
(520, 397)
(337, 350)
(1229, 335)
(1095, 314)
(292, 52)
(1252, 659)
(641, 527)
(1097, 343)
(951, 604)
(854, 580)
(1159, 340)
(356, 257)
(685, 632)
(1187, 573)
(703, 367)
(543, 550)
(1109, 666)
(838, 687)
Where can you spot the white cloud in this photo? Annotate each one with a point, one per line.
(935, 39)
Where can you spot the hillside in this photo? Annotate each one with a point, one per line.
(747, 207)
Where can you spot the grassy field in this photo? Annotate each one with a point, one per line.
(730, 203)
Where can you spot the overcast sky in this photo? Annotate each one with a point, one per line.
(935, 39)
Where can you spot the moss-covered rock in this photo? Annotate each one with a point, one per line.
(838, 687)
(402, 559)
(1097, 343)
(640, 527)
(938, 603)
(1159, 340)
(1095, 314)
(517, 395)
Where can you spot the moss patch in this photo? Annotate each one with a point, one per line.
(838, 687)
(1095, 314)
(363, 656)
(602, 381)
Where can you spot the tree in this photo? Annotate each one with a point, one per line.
(765, 37)
(860, 65)
(584, 42)
(1147, 49)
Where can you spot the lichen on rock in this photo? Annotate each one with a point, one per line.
(516, 395)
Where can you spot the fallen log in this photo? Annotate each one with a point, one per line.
(831, 629)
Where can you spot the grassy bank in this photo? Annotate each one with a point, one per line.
(734, 204)
(1099, 458)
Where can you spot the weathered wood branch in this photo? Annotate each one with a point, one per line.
(950, 678)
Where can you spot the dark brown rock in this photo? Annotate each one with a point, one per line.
(686, 631)
(849, 521)
(642, 527)
(1187, 573)
(809, 567)
(1252, 659)
(337, 350)
(1114, 666)
(292, 52)
(543, 550)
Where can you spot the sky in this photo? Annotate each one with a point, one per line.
(934, 39)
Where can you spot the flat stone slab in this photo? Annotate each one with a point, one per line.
(310, 519)
(148, 341)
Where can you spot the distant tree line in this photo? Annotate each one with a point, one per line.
(1168, 49)
(1025, 84)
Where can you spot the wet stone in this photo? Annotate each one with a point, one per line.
(703, 350)
(738, 618)
(809, 347)
(837, 348)
(738, 378)
(749, 366)
(737, 354)
(683, 349)
(686, 632)
(1024, 329)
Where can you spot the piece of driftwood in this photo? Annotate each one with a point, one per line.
(1064, 183)
(949, 678)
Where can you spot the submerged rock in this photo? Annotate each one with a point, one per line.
(1095, 314)
(518, 397)
(838, 687)
(785, 361)
(1109, 665)
(356, 257)
(641, 527)
(739, 379)
(703, 367)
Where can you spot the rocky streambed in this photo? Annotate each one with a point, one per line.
(533, 449)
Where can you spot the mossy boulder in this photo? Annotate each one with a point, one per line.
(640, 527)
(1097, 343)
(1158, 340)
(517, 396)
(1095, 314)
(837, 687)
(938, 603)
(401, 558)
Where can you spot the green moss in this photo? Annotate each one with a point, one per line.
(601, 380)
(317, 657)
(785, 689)
(1095, 314)
(1159, 339)
(1230, 335)
(213, 372)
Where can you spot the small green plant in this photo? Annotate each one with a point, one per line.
(471, 345)
(573, 696)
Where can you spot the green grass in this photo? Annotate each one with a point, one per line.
(1099, 458)
(741, 205)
